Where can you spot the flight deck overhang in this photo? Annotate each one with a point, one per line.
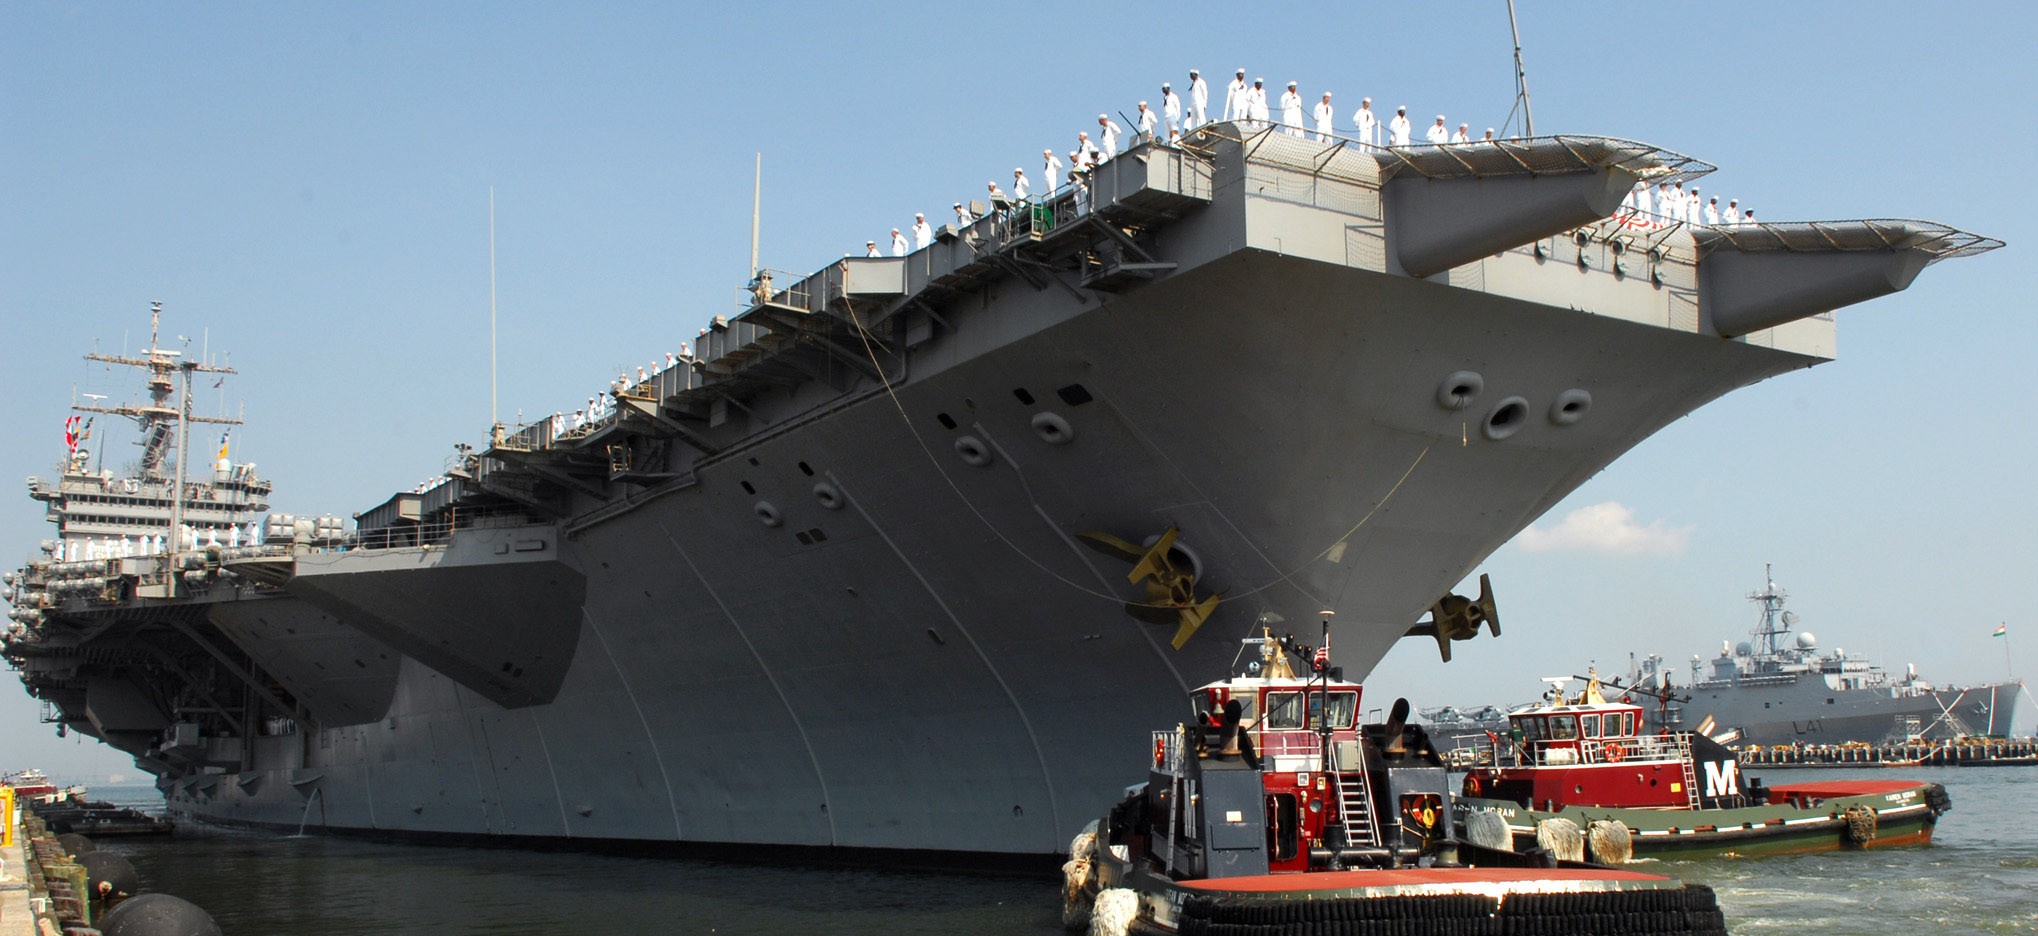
(1453, 204)
(1758, 276)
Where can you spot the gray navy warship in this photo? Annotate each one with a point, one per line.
(1778, 687)
(825, 584)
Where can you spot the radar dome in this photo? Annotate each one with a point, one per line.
(1743, 648)
(1805, 640)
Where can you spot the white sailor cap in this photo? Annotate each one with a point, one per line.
(1440, 118)
(870, 243)
(1194, 72)
(1291, 84)
(957, 205)
(1733, 201)
(1018, 171)
(1142, 103)
(1241, 72)
(1259, 81)
(917, 214)
(1326, 94)
(1365, 100)
(1403, 108)
(1103, 116)
(1165, 86)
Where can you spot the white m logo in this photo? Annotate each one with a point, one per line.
(1722, 778)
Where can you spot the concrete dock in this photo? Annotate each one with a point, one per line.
(17, 916)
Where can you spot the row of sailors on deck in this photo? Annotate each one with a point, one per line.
(1242, 102)
(1247, 102)
(1670, 203)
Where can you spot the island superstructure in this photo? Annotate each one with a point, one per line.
(847, 578)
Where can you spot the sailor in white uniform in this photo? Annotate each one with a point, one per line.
(1256, 102)
(1437, 132)
(870, 249)
(1199, 101)
(1235, 99)
(899, 248)
(1145, 121)
(1367, 123)
(1398, 128)
(1325, 124)
(1019, 186)
(1086, 151)
(1731, 216)
(1171, 107)
(1110, 133)
(1050, 169)
(922, 234)
(962, 216)
(1461, 136)
(1291, 110)
(1712, 212)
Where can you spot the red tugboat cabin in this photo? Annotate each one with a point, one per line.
(1587, 752)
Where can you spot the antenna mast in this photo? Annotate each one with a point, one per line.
(1521, 95)
(756, 202)
(492, 411)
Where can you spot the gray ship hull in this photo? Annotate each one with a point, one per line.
(1804, 710)
(948, 670)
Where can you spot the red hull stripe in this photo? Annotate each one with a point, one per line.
(1832, 789)
(1325, 880)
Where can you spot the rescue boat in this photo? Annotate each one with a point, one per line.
(1584, 762)
(1273, 809)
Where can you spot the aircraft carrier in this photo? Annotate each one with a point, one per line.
(827, 583)
(1778, 687)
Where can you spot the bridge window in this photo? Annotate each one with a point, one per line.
(1284, 710)
(1591, 723)
(1343, 705)
(1564, 728)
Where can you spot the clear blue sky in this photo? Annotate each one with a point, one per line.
(310, 183)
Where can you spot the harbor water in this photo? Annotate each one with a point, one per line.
(1979, 876)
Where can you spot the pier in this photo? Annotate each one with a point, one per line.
(1967, 752)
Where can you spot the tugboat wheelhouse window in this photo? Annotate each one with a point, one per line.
(1591, 724)
(1291, 711)
(1284, 711)
(1564, 728)
(1343, 705)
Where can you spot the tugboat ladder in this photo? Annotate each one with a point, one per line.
(1355, 809)
(1684, 759)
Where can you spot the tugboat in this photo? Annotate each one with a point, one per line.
(1275, 811)
(1586, 760)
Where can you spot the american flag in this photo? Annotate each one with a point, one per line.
(1322, 658)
